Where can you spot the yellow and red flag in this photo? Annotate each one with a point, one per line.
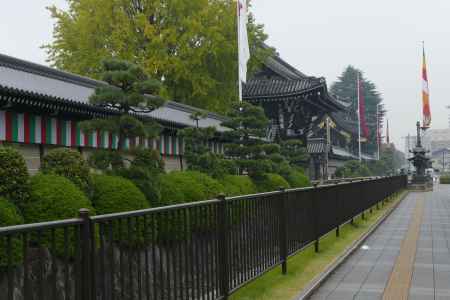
(425, 94)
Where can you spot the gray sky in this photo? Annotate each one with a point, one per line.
(320, 38)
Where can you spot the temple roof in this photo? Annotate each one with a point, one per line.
(266, 88)
(41, 86)
(279, 81)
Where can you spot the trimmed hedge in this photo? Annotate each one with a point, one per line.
(212, 188)
(270, 182)
(181, 187)
(53, 198)
(145, 172)
(114, 194)
(444, 179)
(238, 185)
(10, 216)
(297, 179)
(14, 178)
(68, 163)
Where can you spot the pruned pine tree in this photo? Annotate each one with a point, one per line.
(131, 93)
(246, 141)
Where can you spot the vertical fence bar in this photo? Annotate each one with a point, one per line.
(223, 247)
(338, 211)
(85, 254)
(315, 200)
(10, 268)
(362, 199)
(283, 229)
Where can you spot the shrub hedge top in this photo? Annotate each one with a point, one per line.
(297, 179)
(68, 163)
(211, 187)
(14, 178)
(270, 182)
(444, 179)
(9, 216)
(188, 189)
(54, 197)
(238, 185)
(113, 194)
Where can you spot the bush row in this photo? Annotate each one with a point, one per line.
(444, 179)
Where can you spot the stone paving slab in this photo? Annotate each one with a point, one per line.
(366, 273)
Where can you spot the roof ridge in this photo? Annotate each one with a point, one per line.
(38, 69)
(192, 109)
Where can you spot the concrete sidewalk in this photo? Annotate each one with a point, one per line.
(369, 271)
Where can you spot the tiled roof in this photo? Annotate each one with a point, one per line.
(282, 68)
(272, 88)
(69, 89)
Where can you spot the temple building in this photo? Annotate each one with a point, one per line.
(291, 100)
(41, 109)
(298, 107)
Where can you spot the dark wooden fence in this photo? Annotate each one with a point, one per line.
(204, 250)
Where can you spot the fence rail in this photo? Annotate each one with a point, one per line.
(203, 250)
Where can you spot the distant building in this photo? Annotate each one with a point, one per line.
(436, 139)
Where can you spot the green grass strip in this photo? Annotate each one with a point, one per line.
(307, 265)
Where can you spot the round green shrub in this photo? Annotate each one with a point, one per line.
(212, 187)
(14, 178)
(10, 216)
(113, 194)
(297, 179)
(68, 163)
(145, 172)
(149, 183)
(183, 187)
(170, 194)
(270, 182)
(53, 198)
(238, 185)
(186, 188)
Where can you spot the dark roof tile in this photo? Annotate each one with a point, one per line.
(271, 88)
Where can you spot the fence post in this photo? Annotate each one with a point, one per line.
(362, 198)
(338, 211)
(85, 253)
(223, 246)
(316, 218)
(282, 232)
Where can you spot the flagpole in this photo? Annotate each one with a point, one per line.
(358, 89)
(378, 131)
(238, 23)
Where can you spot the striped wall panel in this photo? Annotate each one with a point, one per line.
(33, 129)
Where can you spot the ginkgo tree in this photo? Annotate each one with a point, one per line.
(191, 45)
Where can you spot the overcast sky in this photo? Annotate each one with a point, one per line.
(320, 38)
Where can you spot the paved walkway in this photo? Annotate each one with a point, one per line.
(419, 229)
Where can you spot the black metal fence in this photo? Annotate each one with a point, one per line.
(204, 250)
